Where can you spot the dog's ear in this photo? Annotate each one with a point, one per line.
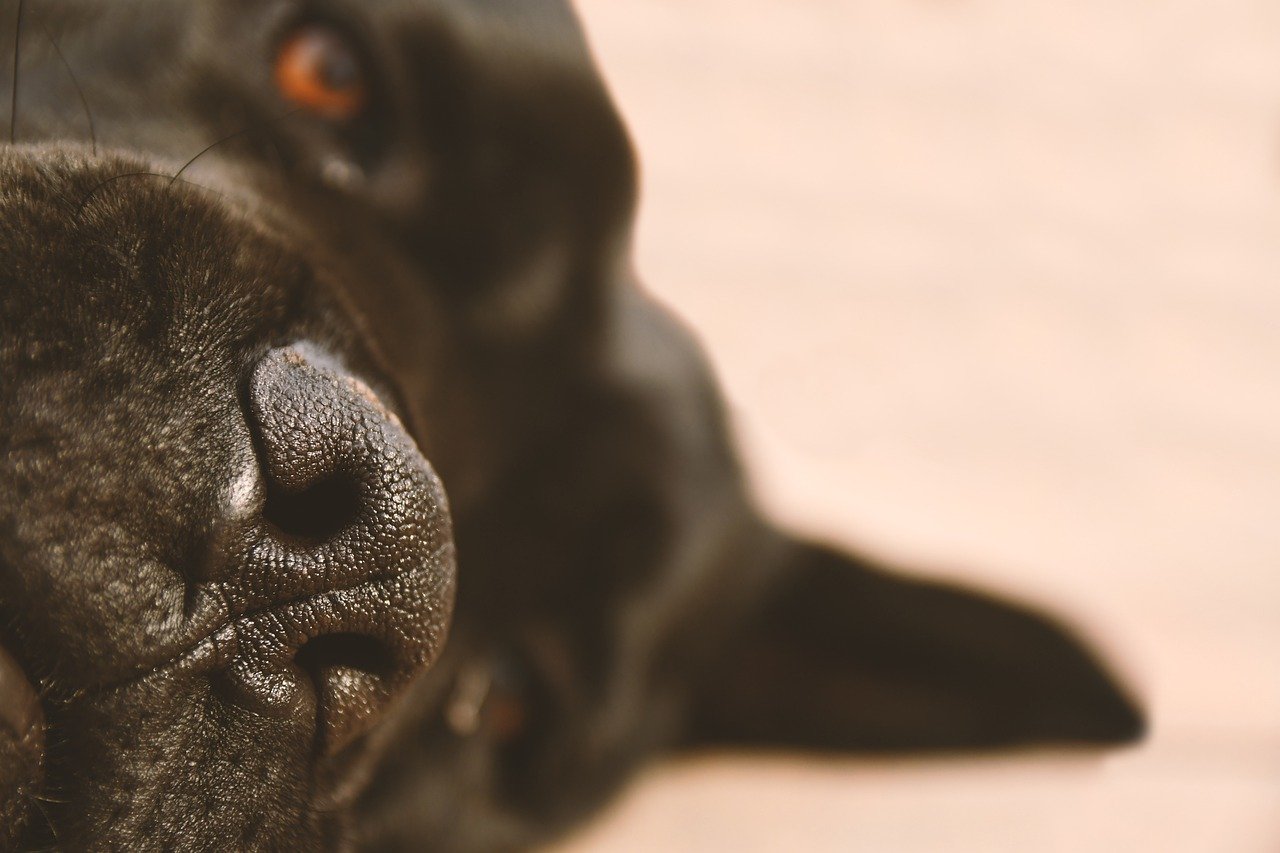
(21, 749)
(846, 656)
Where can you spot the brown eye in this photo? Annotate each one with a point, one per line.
(507, 707)
(508, 717)
(317, 69)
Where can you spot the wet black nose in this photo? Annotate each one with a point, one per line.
(341, 592)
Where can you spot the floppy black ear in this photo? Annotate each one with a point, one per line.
(842, 655)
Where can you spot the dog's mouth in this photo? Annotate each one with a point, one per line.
(215, 647)
(327, 698)
(249, 657)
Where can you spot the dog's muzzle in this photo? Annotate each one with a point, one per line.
(336, 561)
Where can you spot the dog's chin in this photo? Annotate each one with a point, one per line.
(167, 762)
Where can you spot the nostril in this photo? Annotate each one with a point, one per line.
(315, 515)
(348, 651)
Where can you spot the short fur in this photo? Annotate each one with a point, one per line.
(462, 249)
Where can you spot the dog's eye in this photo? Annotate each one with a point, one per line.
(508, 707)
(319, 70)
(493, 693)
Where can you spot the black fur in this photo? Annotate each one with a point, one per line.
(462, 248)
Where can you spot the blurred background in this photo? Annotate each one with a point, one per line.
(994, 289)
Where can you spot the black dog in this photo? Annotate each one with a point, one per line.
(253, 256)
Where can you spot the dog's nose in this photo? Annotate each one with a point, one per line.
(345, 579)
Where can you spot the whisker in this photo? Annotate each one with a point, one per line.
(13, 94)
(48, 822)
(277, 156)
(84, 102)
(45, 798)
(242, 131)
(105, 182)
(84, 202)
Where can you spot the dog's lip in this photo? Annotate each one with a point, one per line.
(207, 650)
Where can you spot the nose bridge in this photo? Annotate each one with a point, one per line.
(346, 578)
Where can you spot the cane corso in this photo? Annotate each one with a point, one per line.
(276, 276)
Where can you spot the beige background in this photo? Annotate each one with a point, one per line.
(994, 287)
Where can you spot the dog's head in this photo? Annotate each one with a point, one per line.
(223, 553)
(259, 261)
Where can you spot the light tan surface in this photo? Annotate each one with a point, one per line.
(995, 289)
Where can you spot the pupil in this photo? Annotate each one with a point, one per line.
(339, 70)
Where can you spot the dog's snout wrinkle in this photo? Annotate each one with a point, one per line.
(339, 592)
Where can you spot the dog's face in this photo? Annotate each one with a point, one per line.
(259, 262)
(224, 555)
